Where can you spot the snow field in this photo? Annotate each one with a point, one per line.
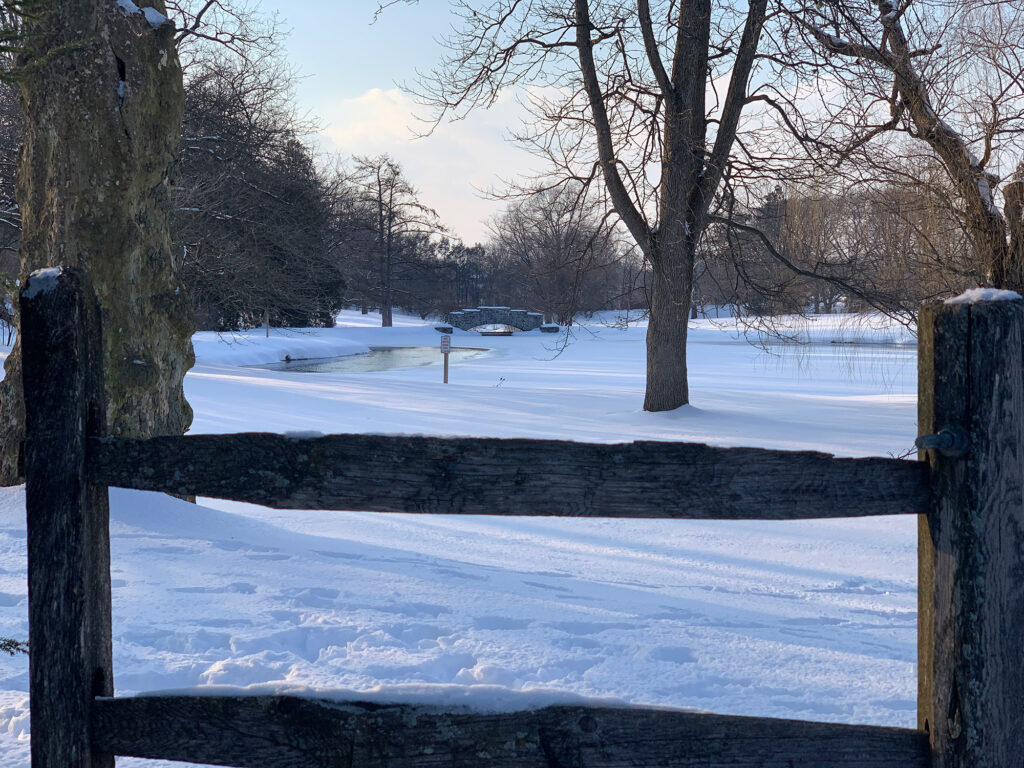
(812, 620)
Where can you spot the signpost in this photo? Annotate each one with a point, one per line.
(446, 347)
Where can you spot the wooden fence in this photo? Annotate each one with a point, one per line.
(968, 497)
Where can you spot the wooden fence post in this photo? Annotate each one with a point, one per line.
(971, 544)
(68, 534)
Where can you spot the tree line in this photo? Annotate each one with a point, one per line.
(263, 230)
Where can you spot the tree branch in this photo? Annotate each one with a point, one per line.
(775, 254)
(735, 100)
(624, 205)
(643, 8)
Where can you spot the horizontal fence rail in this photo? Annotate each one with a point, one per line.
(482, 476)
(281, 731)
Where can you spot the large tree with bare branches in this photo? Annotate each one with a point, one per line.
(917, 90)
(620, 95)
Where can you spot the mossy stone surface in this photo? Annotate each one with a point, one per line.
(102, 93)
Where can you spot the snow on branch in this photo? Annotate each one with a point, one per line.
(153, 16)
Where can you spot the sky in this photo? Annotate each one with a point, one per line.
(350, 69)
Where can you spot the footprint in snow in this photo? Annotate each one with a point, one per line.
(676, 654)
(337, 555)
(500, 623)
(311, 597)
(237, 588)
(541, 585)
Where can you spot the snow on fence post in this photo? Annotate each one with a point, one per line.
(68, 535)
(971, 543)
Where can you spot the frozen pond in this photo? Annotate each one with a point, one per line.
(890, 367)
(378, 359)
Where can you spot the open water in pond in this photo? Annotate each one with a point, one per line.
(378, 359)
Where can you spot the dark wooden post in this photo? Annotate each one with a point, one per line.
(971, 547)
(68, 535)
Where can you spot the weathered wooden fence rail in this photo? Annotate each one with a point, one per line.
(971, 561)
(477, 476)
(272, 731)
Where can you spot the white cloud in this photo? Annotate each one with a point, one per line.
(450, 166)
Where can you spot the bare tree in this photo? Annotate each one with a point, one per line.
(882, 247)
(915, 83)
(621, 95)
(555, 243)
(234, 26)
(252, 217)
(393, 219)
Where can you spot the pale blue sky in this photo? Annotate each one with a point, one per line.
(349, 66)
(345, 53)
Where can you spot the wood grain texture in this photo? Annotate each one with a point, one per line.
(513, 477)
(971, 668)
(68, 540)
(288, 732)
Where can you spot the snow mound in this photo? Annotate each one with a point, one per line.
(976, 295)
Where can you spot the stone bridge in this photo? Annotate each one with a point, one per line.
(468, 319)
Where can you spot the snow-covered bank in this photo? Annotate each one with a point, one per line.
(811, 619)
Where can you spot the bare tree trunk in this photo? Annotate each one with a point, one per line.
(386, 294)
(1013, 194)
(690, 174)
(101, 88)
(388, 271)
(666, 336)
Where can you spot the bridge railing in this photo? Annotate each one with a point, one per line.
(467, 319)
(971, 587)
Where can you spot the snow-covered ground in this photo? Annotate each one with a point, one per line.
(810, 620)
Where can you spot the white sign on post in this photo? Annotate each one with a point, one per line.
(446, 347)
